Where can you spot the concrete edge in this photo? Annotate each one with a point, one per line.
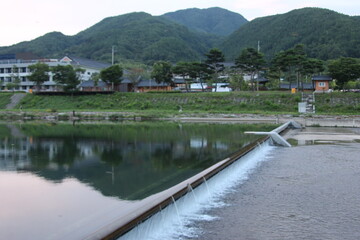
(155, 203)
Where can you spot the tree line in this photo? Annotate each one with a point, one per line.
(290, 66)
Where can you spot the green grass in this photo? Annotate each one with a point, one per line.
(234, 102)
(161, 104)
(338, 103)
(5, 99)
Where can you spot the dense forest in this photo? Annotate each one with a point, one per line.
(325, 33)
(188, 34)
(215, 20)
(136, 36)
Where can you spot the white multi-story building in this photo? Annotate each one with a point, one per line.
(14, 71)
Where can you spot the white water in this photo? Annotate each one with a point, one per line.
(175, 221)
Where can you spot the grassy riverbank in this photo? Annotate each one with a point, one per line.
(160, 104)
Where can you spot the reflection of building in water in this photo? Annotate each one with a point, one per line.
(198, 142)
(14, 154)
(220, 145)
(53, 153)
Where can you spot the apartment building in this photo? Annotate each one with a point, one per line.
(14, 70)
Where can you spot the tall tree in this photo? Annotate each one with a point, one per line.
(214, 61)
(344, 70)
(15, 79)
(311, 67)
(250, 61)
(201, 72)
(183, 69)
(67, 76)
(162, 72)
(135, 74)
(39, 74)
(292, 62)
(112, 75)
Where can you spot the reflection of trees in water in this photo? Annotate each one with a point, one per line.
(142, 160)
(112, 154)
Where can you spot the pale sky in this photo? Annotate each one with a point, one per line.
(23, 20)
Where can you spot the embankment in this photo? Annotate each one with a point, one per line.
(178, 105)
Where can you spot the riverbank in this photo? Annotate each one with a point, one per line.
(167, 104)
(304, 119)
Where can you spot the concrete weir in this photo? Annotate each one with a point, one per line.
(148, 207)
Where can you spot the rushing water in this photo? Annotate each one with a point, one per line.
(62, 181)
(177, 221)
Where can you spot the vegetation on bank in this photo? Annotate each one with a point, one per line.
(5, 99)
(338, 103)
(160, 104)
(233, 102)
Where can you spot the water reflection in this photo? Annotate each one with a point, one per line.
(128, 160)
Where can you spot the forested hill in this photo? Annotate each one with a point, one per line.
(141, 37)
(215, 20)
(51, 45)
(146, 38)
(136, 36)
(325, 33)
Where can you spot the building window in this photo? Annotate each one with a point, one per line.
(23, 69)
(322, 84)
(2, 70)
(8, 70)
(23, 79)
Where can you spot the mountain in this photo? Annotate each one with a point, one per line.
(46, 46)
(215, 20)
(142, 37)
(136, 36)
(326, 34)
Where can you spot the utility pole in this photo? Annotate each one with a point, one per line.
(257, 82)
(112, 54)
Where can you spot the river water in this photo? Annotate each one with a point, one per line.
(309, 191)
(66, 181)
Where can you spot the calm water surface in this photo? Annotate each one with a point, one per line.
(63, 181)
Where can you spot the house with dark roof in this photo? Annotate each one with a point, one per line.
(92, 86)
(90, 66)
(147, 85)
(301, 87)
(321, 83)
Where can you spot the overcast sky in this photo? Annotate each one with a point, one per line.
(23, 20)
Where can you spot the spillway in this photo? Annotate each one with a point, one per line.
(170, 214)
(175, 221)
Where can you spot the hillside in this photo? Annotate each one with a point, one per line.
(215, 20)
(49, 45)
(136, 36)
(141, 37)
(325, 33)
(145, 38)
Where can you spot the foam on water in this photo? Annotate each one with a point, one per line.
(176, 220)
